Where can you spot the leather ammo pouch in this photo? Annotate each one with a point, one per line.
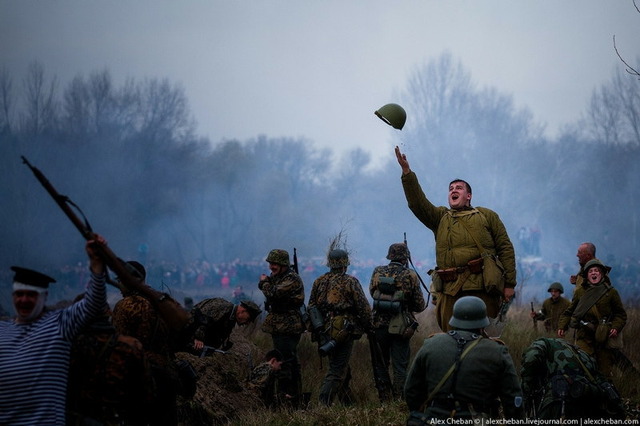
(447, 275)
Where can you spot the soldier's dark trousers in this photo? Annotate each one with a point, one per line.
(336, 382)
(289, 377)
(395, 351)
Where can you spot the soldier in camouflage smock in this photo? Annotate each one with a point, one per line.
(461, 374)
(212, 321)
(560, 380)
(284, 297)
(396, 298)
(109, 378)
(460, 232)
(341, 301)
(263, 378)
(135, 316)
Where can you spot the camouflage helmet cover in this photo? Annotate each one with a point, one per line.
(556, 286)
(279, 257)
(469, 313)
(398, 251)
(251, 307)
(338, 258)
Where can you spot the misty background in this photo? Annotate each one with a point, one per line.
(130, 156)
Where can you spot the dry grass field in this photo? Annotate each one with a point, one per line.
(517, 334)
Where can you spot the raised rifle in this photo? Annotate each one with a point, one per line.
(303, 309)
(170, 310)
(295, 261)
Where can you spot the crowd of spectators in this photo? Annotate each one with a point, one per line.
(201, 279)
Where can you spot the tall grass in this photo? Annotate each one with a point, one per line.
(517, 334)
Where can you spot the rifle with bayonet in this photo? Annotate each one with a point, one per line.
(171, 311)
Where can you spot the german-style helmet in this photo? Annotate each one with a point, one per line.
(338, 258)
(469, 313)
(279, 257)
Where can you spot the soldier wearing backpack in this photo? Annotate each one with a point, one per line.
(396, 298)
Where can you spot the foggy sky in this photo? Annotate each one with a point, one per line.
(319, 69)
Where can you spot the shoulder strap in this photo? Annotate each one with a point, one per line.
(482, 250)
(587, 301)
(451, 370)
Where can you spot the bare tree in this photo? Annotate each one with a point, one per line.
(6, 101)
(631, 70)
(40, 114)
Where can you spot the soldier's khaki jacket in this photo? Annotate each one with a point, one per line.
(551, 312)
(454, 245)
(284, 295)
(608, 307)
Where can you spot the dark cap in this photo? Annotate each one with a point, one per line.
(252, 308)
(31, 277)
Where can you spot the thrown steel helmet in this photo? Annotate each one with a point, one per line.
(392, 114)
(279, 257)
(556, 286)
(398, 252)
(469, 313)
(338, 258)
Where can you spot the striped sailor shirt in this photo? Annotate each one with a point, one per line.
(34, 360)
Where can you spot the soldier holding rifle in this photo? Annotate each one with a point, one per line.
(36, 345)
(284, 293)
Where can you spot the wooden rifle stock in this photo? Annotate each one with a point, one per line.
(129, 277)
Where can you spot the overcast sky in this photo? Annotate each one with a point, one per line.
(319, 69)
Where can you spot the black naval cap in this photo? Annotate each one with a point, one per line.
(31, 277)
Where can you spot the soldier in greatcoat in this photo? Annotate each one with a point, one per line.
(462, 374)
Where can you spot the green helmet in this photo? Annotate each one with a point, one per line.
(469, 313)
(392, 114)
(279, 257)
(338, 259)
(596, 262)
(556, 286)
(398, 251)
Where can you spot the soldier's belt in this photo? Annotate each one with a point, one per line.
(451, 274)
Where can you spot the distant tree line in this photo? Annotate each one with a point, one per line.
(131, 158)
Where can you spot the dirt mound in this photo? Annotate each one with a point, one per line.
(221, 390)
